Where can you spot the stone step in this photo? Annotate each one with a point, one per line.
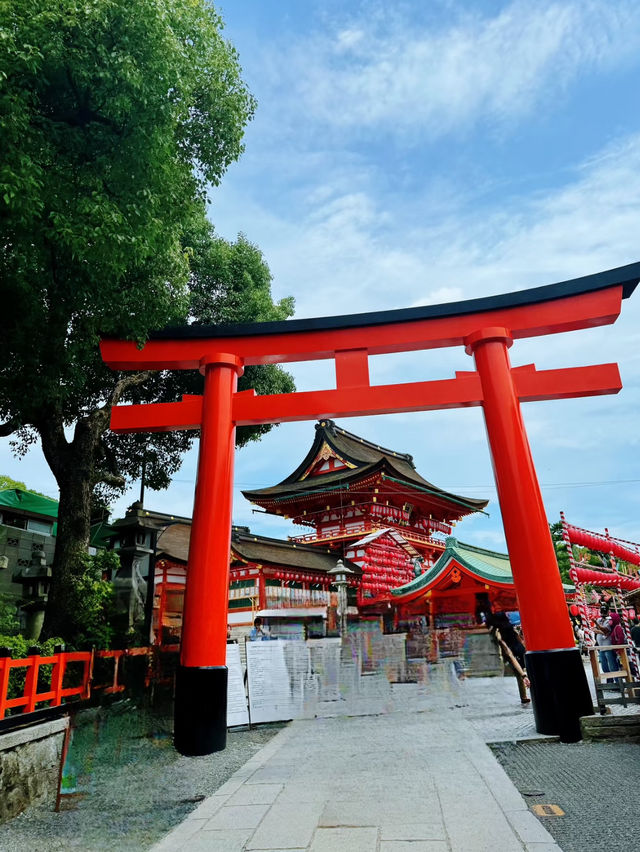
(611, 728)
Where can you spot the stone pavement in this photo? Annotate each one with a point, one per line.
(593, 783)
(408, 780)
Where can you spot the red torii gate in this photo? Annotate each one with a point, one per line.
(486, 328)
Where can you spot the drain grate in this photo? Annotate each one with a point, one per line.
(547, 810)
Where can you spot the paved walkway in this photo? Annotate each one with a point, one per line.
(419, 780)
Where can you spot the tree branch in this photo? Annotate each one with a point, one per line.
(108, 478)
(55, 446)
(131, 380)
(99, 418)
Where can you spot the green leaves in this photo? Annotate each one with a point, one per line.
(113, 115)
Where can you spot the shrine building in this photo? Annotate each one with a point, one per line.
(465, 582)
(368, 506)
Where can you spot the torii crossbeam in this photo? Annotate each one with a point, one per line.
(486, 328)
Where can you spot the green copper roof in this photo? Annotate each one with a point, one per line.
(484, 564)
(26, 501)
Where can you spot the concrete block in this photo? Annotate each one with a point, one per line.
(611, 728)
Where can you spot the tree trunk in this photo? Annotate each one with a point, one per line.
(72, 464)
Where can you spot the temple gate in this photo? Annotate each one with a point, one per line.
(487, 328)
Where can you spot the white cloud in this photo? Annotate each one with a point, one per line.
(394, 73)
(350, 250)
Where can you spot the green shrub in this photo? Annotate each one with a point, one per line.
(9, 623)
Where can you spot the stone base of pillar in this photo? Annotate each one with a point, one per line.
(200, 710)
(559, 692)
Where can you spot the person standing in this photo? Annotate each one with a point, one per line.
(258, 632)
(602, 628)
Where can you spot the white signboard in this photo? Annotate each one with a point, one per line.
(237, 713)
(270, 693)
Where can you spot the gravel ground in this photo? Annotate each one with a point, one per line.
(132, 787)
(595, 784)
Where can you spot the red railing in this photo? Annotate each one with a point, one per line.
(56, 694)
(365, 529)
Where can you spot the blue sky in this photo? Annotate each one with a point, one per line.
(410, 153)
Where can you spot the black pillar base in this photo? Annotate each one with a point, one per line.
(559, 692)
(200, 710)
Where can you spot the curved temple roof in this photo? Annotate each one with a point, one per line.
(174, 543)
(485, 565)
(365, 458)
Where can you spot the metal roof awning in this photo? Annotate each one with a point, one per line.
(295, 612)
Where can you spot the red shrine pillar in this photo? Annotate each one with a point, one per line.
(559, 689)
(200, 712)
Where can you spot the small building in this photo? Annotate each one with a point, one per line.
(465, 582)
(282, 581)
(27, 544)
(28, 527)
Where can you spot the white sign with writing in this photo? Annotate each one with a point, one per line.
(270, 693)
(237, 713)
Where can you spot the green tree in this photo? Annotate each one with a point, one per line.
(562, 554)
(8, 484)
(116, 116)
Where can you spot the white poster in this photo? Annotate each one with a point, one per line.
(237, 713)
(270, 693)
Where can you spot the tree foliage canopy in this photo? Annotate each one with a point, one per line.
(115, 118)
(114, 114)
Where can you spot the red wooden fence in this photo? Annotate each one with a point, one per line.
(57, 694)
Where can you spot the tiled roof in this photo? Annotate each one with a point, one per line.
(174, 543)
(367, 458)
(486, 565)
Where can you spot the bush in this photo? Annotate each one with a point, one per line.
(92, 602)
(9, 623)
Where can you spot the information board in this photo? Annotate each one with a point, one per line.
(270, 693)
(237, 712)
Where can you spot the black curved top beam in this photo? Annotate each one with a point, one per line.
(625, 276)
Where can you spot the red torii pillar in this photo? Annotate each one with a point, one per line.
(486, 327)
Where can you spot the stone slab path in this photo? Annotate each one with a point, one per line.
(419, 780)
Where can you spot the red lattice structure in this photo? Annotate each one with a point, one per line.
(608, 577)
